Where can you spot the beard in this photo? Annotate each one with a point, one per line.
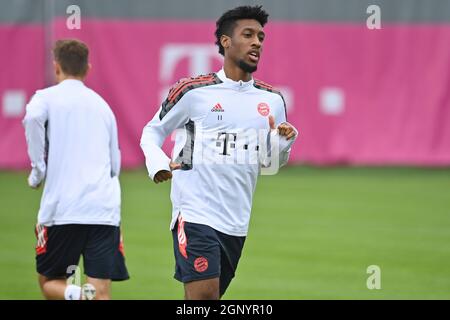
(246, 67)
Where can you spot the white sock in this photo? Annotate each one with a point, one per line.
(72, 292)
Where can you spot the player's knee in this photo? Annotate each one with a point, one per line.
(203, 295)
(211, 295)
(202, 290)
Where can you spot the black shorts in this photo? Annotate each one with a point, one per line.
(202, 252)
(59, 248)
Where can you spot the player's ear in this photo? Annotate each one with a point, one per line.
(88, 68)
(225, 41)
(56, 67)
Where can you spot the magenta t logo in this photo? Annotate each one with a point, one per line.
(200, 59)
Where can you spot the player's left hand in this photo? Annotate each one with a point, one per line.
(33, 180)
(33, 185)
(285, 129)
(36, 187)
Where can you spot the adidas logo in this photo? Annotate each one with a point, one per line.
(217, 108)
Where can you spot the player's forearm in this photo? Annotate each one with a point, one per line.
(284, 150)
(276, 151)
(115, 154)
(284, 157)
(35, 137)
(155, 158)
(287, 134)
(115, 162)
(156, 131)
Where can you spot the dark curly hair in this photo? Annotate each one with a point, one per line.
(226, 23)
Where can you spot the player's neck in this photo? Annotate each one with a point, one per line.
(235, 73)
(61, 77)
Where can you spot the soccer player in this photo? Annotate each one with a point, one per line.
(72, 140)
(215, 171)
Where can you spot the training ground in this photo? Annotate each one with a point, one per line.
(313, 234)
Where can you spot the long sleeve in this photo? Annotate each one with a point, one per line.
(114, 149)
(35, 132)
(275, 153)
(166, 120)
(280, 146)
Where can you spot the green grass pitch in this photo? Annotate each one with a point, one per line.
(313, 233)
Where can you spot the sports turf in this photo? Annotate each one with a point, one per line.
(313, 233)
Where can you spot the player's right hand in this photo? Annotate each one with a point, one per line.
(32, 186)
(164, 175)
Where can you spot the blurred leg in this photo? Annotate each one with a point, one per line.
(52, 289)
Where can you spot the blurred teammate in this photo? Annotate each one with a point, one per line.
(220, 154)
(72, 142)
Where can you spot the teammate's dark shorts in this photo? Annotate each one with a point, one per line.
(59, 248)
(202, 252)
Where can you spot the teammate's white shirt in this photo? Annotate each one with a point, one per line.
(223, 145)
(83, 159)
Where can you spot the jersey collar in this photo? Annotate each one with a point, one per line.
(72, 82)
(239, 85)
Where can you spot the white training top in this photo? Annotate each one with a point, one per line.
(72, 142)
(222, 148)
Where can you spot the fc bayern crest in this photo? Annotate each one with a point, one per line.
(263, 109)
(201, 264)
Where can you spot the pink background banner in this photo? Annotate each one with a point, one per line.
(357, 96)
